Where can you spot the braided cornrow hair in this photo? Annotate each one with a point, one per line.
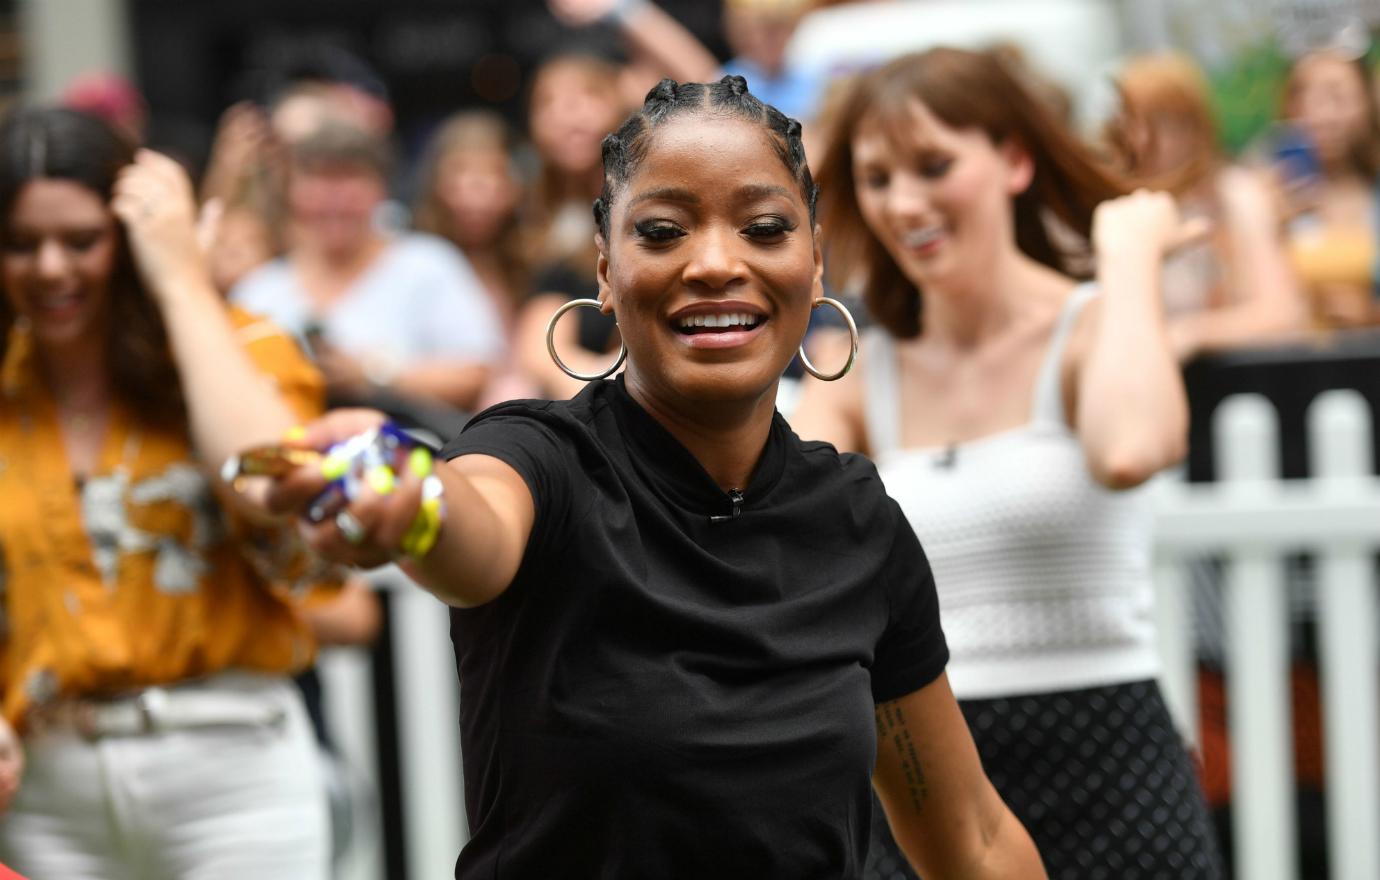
(626, 147)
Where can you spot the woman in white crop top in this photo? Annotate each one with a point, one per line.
(1012, 415)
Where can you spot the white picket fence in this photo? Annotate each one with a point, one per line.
(1249, 516)
(1253, 518)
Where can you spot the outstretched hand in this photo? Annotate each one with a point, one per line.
(153, 198)
(364, 532)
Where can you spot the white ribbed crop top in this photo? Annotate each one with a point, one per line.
(1043, 574)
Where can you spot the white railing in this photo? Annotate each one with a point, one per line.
(1253, 519)
(426, 728)
(1250, 517)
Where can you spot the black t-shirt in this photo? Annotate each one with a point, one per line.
(670, 688)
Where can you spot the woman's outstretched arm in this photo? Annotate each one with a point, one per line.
(490, 513)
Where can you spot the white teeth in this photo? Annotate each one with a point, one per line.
(737, 319)
(922, 237)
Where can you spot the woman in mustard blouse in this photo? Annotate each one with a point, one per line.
(144, 654)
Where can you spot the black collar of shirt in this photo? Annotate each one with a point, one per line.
(678, 473)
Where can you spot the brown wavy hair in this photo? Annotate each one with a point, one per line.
(966, 90)
(60, 144)
(1168, 84)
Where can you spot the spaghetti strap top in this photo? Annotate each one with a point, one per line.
(882, 409)
(1043, 574)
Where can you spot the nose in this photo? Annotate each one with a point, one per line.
(52, 260)
(714, 261)
(908, 197)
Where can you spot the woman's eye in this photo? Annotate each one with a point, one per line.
(874, 179)
(83, 242)
(933, 168)
(768, 227)
(20, 245)
(657, 230)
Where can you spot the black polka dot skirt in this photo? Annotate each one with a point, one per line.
(1100, 779)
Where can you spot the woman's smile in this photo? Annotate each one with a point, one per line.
(718, 323)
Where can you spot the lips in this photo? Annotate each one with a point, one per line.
(923, 241)
(717, 325)
(57, 306)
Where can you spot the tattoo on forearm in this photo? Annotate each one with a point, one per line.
(892, 727)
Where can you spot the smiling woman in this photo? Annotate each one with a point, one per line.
(678, 627)
(141, 644)
(1012, 411)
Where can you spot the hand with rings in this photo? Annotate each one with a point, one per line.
(394, 515)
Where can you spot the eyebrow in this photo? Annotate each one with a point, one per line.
(676, 194)
(665, 194)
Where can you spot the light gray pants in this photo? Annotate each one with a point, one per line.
(202, 803)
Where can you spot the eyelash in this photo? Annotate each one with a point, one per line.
(657, 232)
(661, 232)
(770, 227)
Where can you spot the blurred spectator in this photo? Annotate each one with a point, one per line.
(1332, 183)
(244, 157)
(323, 83)
(394, 314)
(758, 32)
(657, 44)
(158, 665)
(1235, 287)
(241, 240)
(113, 98)
(469, 193)
(575, 102)
(305, 107)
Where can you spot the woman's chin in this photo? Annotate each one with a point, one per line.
(732, 382)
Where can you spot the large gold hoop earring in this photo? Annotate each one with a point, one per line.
(551, 342)
(853, 339)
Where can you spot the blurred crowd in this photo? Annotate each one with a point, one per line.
(301, 209)
(497, 231)
(425, 288)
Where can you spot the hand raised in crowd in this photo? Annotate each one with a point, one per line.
(1144, 221)
(366, 532)
(243, 143)
(153, 198)
(11, 764)
(579, 13)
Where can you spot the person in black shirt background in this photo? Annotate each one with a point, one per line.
(686, 639)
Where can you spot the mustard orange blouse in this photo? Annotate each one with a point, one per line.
(137, 577)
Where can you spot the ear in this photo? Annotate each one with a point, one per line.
(1020, 166)
(601, 272)
(819, 262)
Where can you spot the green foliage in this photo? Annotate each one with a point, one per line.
(1247, 94)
